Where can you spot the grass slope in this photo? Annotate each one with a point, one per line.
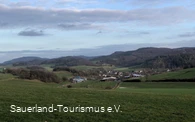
(6, 76)
(95, 85)
(181, 74)
(62, 74)
(140, 102)
(84, 67)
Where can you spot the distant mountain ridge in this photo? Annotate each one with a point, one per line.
(23, 59)
(62, 61)
(149, 57)
(68, 61)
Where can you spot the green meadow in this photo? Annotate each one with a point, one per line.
(181, 74)
(139, 102)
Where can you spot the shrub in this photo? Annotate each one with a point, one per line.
(41, 75)
(108, 87)
(69, 86)
(132, 80)
(35, 68)
(64, 78)
(173, 80)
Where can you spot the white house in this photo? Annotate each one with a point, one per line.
(109, 79)
(78, 79)
(137, 75)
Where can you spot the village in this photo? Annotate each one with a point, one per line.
(112, 75)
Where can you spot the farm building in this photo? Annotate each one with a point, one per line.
(137, 75)
(109, 79)
(78, 79)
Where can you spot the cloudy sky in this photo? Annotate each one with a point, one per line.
(93, 27)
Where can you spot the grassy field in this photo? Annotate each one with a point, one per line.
(123, 69)
(61, 74)
(83, 67)
(47, 67)
(95, 85)
(139, 102)
(6, 76)
(162, 88)
(181, 74)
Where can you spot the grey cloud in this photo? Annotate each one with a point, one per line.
(99, 32)
(4, 24)
(151, 3)
(34, 16)
(188, 34)
(16, 4)
(127, 33)
(84, 26)
(31, 33)
(182, 35)
(147, 3)
(144, 33)
(77, 1)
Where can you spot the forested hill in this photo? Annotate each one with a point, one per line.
(144, 57)
(68, 61)
(62, 61)
(151, 57)
(24, 60)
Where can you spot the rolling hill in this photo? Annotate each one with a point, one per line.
(68, 61)
(180, 74)
(62, 61)
(147, 57)
(171, 61)
(24, 61)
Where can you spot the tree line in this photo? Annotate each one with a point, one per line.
(32, 73)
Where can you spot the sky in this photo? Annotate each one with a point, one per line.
(54, 28)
